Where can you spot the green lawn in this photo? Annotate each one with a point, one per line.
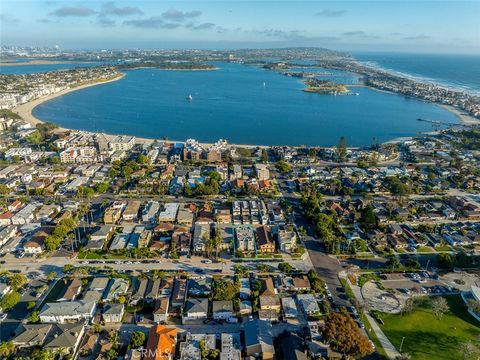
(426, 337)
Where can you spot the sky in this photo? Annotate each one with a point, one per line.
(400, 26)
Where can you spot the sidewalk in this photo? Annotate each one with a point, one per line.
(390, 350)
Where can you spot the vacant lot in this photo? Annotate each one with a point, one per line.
(428, 338)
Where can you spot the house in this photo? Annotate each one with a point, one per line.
(262, 172)
(160, 311)
(153, 289)
(201, 232)
(117, 287)
(308, 304)
(53, 337)
(72, 290)
(61, 312)
(245, 238)
(287, 240)
(30, 335)
(289, 307)
(259, 339)
(230, 346)
(199, 287)
(269, 303)
(245, 307)
(131, 211)
(25, 215)
(169, 212)
(161, 343)
(265, 242)
(222, 310)
(267, 287)
(122, 142)
(190, 348)
(113, 213)
(113, 313)
(195, 309)
(179, 292)
(98, 237)
(185, 217)
(150, 211)
(301, 283)
(139, 289)
(223, 216)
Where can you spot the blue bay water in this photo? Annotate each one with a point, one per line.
(455, 71)
(234, 104)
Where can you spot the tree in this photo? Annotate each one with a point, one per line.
(342, 149)
(445, 260)
(368, 218)
(7, 348)
(409, 305)
(264, 156)
(10, 300)
(225, 290)
(285, 267)
(393, 263)
(283, 167)
(439, 307)
(97, 328)
(316, 282)
(31, 305)
(102, 187)
(470, 350)
(16, 281)
(52, 242)
(142, 159)
(344, 336)
(51, 275)
(216, 242)
(34, 317)
(137, 339)
(121, 299)
(4, 189)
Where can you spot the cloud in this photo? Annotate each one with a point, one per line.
(355, 33)
(47, 21)
(109, 8)
(178, 15)
(80, 11)
(417, 37)
(8, 20)
(154, 22)
(203, 26)
(331, 13)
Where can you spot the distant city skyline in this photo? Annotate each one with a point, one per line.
(407, 26)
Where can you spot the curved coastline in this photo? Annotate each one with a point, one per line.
(25, 110)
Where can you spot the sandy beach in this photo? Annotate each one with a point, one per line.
(25, 110)
(464, 118)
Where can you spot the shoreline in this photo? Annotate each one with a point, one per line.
(26, 112)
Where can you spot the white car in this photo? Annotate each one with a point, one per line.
(207, 261)
(3, 317)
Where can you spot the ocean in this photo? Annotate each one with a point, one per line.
(243, 104)
(461, 72)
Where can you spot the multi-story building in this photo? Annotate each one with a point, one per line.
(122, 142)
(245, 238)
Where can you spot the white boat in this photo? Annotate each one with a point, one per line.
(189, 98)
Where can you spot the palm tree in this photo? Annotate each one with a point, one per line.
(7, 348)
